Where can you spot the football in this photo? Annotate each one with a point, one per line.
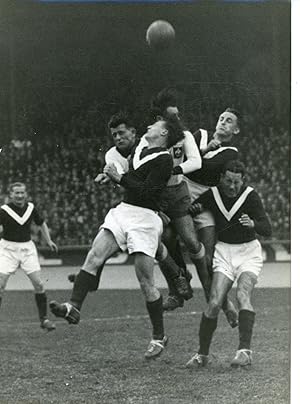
(160, 34)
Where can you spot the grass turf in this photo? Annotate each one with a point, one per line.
(101, 359)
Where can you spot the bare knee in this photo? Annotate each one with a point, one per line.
(150, 292)
(245, 287)
(95, 260)
(243, 298)
(3, 282)
(37, 284)
(214, 306)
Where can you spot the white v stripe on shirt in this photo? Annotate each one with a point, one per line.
(137, 161)
(211, 154)
(19, 219)
(204, 138)
(229, 215)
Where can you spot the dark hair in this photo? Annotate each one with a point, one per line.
(165, 98)
(119, 118)
(16, 184)
(234, 166)
(175, 130)
(236, 113)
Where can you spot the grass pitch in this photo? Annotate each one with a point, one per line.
(101, 359)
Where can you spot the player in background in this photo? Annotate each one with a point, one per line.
(134, 225)
(18, 250)
(216, 151)
(239, 214)
(176, 198)
(124, 135)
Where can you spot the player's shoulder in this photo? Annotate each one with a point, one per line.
(253, 194)
(113, 151)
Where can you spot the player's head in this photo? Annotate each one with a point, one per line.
(165, 104)
(228, 125)
(122, 131)
(165, 132)
(18, 193)
(232, 178)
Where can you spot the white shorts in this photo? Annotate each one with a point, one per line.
(134, 228)
(205, 218)
(234, 259)
(14, 255)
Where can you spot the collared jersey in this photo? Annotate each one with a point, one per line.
(212, 162)
(16, 221)
(227, 212)
(149, 172)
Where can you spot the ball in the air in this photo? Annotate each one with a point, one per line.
(160, 34)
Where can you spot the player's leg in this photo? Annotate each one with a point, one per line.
(207, 235)
(3, 281)
(177, 200)
(104, 246)
(9, 262)
(172, 273)
(29, 262)
(169, 240)
(144, 271)
(245, 287)
(221, 285)
(185, 228)
(41, 300)
(143, 237)
(95, 285)
(249, 262)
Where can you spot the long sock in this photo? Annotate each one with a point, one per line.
(165, 271)
(246, 322)
(82, 285)
(170, 270)
(206, 331)
(178, 256)
(94, 287)
(200, 263)
(155, 311)
(41, 302)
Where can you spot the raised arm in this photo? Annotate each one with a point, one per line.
(193, 160)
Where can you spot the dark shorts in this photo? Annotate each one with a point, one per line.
(176, 200)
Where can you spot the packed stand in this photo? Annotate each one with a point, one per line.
(59, 161)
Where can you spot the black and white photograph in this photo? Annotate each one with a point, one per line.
(145, 202)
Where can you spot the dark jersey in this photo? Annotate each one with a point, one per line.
(212, 162)
(149, 172)
(16, 221)
(227, 212)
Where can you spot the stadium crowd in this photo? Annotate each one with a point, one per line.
(58, 158)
